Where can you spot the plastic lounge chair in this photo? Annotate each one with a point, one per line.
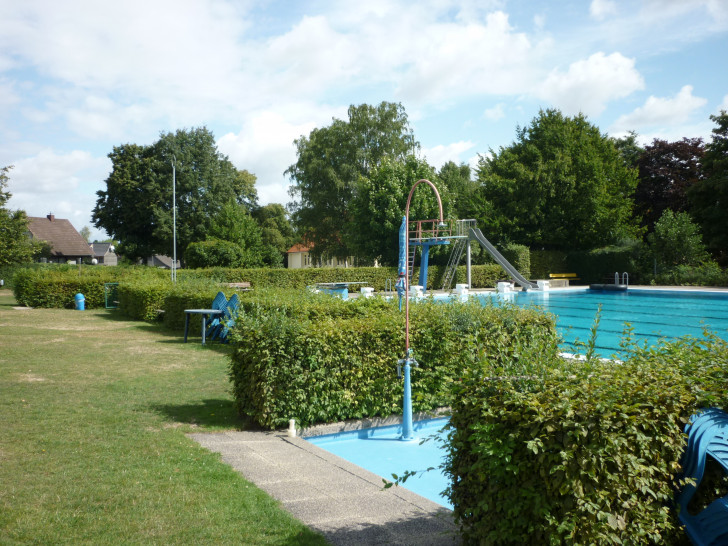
(220, 303)
(228, 320)
(707, 436)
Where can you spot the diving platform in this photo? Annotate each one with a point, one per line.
(425, 234)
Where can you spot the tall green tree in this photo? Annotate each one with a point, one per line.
(676, 240)
(667, 170)
(136, 206)
(629, 148)
(277, 233)
(562, 184)
(331, 160)
(15, 245)
(709, 196)
(234, 224)
(459, 182)
(377, 209)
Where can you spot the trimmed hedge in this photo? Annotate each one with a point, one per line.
(56, 287)
(520, 257)
(482, 276)
(592, 266)
(584, 453)
(319, 359)
(142, 290)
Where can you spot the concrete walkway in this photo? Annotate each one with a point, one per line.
(340, 500)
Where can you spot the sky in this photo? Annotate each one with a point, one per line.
(79, 77)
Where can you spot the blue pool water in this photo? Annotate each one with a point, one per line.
(654, 314)
(380, 451)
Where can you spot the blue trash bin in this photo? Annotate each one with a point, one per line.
(80, 302)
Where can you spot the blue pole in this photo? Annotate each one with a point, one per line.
(402, 273)
(407, 427)
(424, 262)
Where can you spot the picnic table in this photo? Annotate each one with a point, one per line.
(212, 313)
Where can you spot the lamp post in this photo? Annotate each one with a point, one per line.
(407, 427)
(174, 219)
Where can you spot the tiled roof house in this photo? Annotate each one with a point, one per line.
(66, 243)
(104, 253)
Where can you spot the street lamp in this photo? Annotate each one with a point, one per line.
(408, 360)
(174, 219)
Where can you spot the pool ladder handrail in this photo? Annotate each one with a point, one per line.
(625, 278)
(389, 287)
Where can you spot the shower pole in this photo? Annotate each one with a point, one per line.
(407, 427)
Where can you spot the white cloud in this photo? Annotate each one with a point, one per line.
(64, 184)
(48, 172)
(495, 113)
(450, 61)
(601, 9)
(437, 156)
(264, 146)
(659, 111)
(724, 104)
(590, 84)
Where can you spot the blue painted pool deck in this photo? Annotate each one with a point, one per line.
(382, 451)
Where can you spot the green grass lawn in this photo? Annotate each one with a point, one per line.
(94, 411)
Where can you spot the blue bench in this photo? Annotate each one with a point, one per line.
(707, 436)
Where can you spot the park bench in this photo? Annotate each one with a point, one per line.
(562, 279)
(242, 286)
(707, 437)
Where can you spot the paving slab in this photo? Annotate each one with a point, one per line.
(340, 500)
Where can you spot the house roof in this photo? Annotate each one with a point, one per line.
(159, 260)
(298, 247)
(101, 249)
(60, 234)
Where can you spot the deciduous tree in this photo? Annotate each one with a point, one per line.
(136, 206)
(666, 172)
(709, 197)
(331, 160)
(380, 202)
(15, 245)
(276, 233)
(561, 184)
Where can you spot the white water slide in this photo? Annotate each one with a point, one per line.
(476, 234)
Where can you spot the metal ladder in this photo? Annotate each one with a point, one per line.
(412, 252)
(452, 264)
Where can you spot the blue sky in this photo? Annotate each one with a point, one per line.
(80, 76)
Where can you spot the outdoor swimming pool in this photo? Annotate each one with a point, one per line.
(380, 451)
(654, 314)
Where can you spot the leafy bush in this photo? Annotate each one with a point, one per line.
(143, 298)
(319, 359)
(600, 264)
(519, 256)
(544, 262)
(578, 453)
(214, 253)
(677, 240)
(56, 286)
(482, 276)
(706, 274)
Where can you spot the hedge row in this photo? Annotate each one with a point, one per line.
(593, 266)
(57, 286)
(142, 289)
(319, 359)
(582, 454)
(482, 276)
